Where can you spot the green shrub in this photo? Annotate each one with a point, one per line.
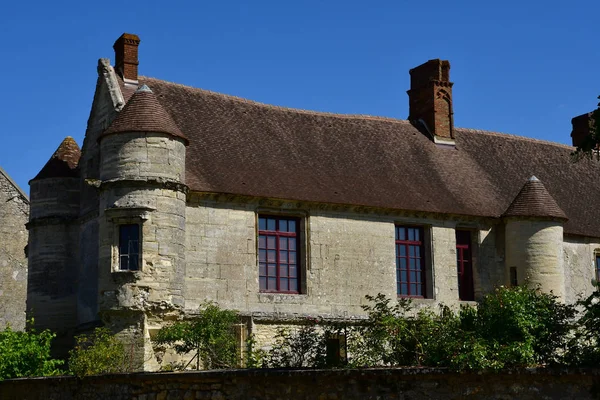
(24, 354)
(99, 353)
(210, 335)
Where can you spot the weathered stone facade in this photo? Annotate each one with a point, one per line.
(14, 211)
(161, 211)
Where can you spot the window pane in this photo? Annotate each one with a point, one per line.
(417, 251)
(411, 251)
(292, 259)
(283, 271)
(271, 240)
(294, 285)
(133, 263)
(292, 226)
(262, 241)
(283, 225)
(262, 269)
(413, 276)
(272, 283)
(262, 256)
(292, 243)
(283, 243)
(403, 250)
(411, 234)
(271, 224)
(419, 290)
(403, 263)
(402, 233)
(413, 264)
(403, 288)
(262, 223)
(271, 271)
(283, 284)
(403, 276)
(271, 256)
(123, 262)
(292, 270)
(262, 283)
(283, 256)
(417, 238)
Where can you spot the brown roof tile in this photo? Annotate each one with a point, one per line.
(534, 201)
(63, 163)
(143, 113)
(243, 147)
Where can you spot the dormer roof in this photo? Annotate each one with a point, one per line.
(534, 201)
(144, 113)
(63, 163)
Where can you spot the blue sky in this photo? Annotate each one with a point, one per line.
(522, 67)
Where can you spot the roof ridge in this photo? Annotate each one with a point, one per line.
(12, 182)
(514, 136)
(282, 108)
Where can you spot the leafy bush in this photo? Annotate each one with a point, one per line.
(99, 353)
(297, 348)
(210, 335)
(511, 327)
(584, 344)
(27, 353)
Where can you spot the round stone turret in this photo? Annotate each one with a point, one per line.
(534, 237)
(142, 209)
(53, 244)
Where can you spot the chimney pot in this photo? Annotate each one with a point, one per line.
(126, 57)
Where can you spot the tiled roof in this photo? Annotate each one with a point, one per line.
(63, 163)
(143, 113)
(534, 201)
(243, 147)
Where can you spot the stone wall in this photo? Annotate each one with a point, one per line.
(381, 384)
(346, 256)
(14, 211)
(579, 259)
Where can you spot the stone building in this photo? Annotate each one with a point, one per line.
(14, 213)
(181, 195)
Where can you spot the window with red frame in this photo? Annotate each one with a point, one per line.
(464, 265)
(410, 262)
(278, 268)
(598, 267)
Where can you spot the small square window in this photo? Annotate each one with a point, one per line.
(129, 247)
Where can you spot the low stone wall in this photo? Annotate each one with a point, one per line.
(408, 383)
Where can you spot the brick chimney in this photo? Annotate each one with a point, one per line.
(430, 100)
(126, 57)
(582, 126)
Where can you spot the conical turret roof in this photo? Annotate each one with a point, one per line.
(144, 113)
(64, 161)
(534, 201)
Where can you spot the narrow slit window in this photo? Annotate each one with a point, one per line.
(464, 265)
(129, 247)
(514, 281)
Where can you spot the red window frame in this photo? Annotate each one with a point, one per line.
(410, 262)
(597, 267)
(464, 265)
(279, 254)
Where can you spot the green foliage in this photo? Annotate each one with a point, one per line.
(254, 358)
(511, 327)
(584, 345)
(210, 335)
(99, 353)
(27, 353)
(297, 348)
